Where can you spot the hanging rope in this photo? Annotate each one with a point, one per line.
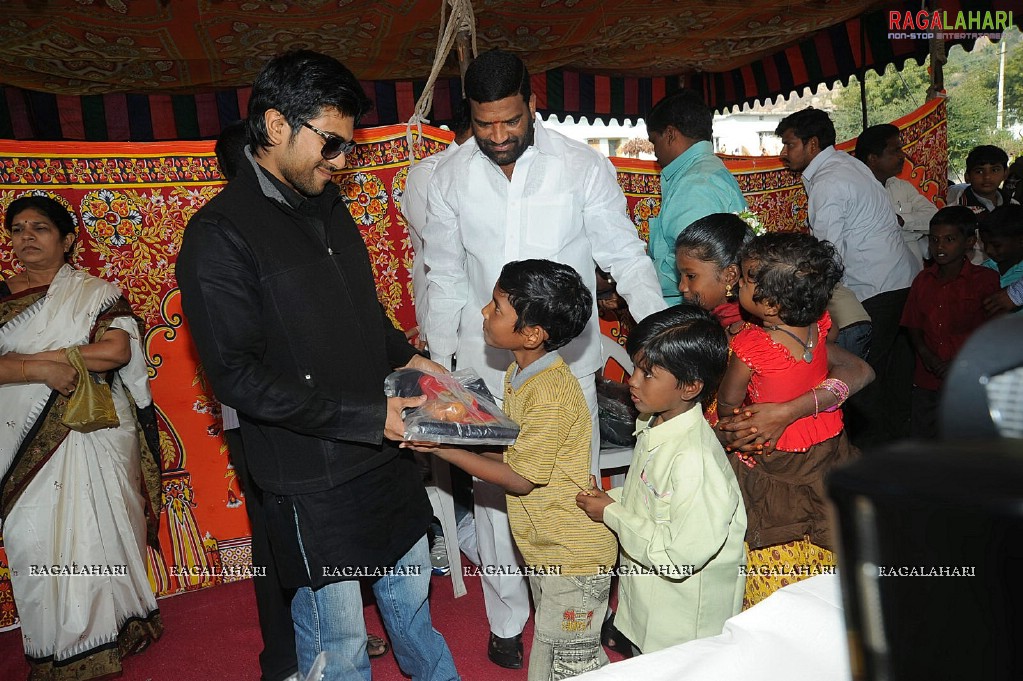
(462, 19)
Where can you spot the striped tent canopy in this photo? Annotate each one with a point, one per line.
(160, 70)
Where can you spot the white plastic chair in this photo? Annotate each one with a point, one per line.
(614, 458)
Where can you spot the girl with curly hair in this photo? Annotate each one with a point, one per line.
(785, 282)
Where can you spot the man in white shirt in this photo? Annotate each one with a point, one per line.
(413, 208)
(515, 191)
(848, 207)
(880, 148)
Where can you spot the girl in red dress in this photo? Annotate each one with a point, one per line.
(785, 282)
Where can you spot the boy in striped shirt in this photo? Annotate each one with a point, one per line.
(539, 306)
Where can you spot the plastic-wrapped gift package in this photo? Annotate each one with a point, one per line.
(458, 410)
(617, 414)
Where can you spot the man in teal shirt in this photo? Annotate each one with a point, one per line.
(694, 182)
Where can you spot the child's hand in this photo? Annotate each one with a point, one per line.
(998, 303)
(755, 428)
(593, 501)
(435, 448)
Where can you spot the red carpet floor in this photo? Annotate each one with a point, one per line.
(213, 634)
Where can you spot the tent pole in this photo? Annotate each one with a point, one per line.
(938, 59)
(863, 75)
(863, 98)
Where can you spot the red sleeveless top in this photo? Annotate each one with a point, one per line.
(780, 377)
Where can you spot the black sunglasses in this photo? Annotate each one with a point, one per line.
(333, 146)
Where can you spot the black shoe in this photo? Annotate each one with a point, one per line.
(505, 652)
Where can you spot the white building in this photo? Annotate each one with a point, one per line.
(745, 132)
(604, 137)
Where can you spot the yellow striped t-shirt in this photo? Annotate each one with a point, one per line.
(553, 452)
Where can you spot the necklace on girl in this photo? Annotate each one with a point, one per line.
(807, 346)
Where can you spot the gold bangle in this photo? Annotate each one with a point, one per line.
(24, 376)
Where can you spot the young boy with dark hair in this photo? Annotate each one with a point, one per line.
(1001, 230)
(680, 517)
(1002, 233)
(945, 305)
(537, 307)
(987, 166)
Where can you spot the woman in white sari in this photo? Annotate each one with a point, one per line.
(74, 505)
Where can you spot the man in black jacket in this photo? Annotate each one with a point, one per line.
(279, 294)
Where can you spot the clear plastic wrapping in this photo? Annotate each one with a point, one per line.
(459, 409)
(617, 414)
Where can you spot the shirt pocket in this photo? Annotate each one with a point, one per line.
(662, 509)
(549, 222)
(966, 309)
(657, 500)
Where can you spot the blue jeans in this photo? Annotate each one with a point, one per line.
(856, 339)
(330, 619)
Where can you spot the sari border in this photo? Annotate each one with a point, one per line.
(25, 465)
(134, 636)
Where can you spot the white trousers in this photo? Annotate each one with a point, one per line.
(506, 596)
(589, 385)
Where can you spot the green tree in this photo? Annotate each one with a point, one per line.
(971, 84)
(971, 81)
(1014, 79)
(889, 96)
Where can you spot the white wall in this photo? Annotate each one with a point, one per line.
(745, 133)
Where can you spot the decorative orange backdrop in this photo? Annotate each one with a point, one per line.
(132, 202)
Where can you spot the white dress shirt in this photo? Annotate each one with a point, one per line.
(916, 213)
(413, 207)
(849, 207)
(563, 203)
(914, 208)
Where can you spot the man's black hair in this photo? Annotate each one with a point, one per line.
(809, 122)
(796, 272)
(462, 122)
(685, 111)
(496, 75)
(549, 295)
(230, 148)
(685, 340)
(301, 84)
(716, 238)
(874, 139)
(960, 217)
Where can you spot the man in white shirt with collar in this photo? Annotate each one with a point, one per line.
(413, 209)
(515, 191)
(880, 148)
(848, 207)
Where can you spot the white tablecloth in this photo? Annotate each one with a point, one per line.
(796, 633)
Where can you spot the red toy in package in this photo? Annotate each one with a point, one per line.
(458, 410)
